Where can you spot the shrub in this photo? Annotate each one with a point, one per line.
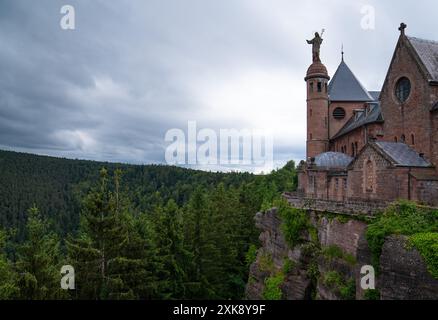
(372, 294)
(251, 255)
(288, 266)
(272, 289)
(333, 252)
(427, 245)
(335, 281)
(266, 263)
(404, 218)
(294, 222)
(347, 291)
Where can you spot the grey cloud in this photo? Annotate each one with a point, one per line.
(111, 89)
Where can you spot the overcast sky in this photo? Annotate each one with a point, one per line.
(131, 70)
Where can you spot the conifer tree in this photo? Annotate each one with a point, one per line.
(200, 243)
(108, 254)
(39, 260)
(8, 278)
(172, 257)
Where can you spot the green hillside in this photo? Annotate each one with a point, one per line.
(185, 233)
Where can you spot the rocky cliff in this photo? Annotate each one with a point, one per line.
(327, 262)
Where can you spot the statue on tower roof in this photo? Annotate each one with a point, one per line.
(316, 46)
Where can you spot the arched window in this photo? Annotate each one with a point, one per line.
(369, 176)
(310, 136)
(319, 86)
(356, 148)
(412, 139)
(311, 86)
(395, 139)
(352, 149)
(403, 138)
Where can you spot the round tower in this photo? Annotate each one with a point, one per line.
(317, 103)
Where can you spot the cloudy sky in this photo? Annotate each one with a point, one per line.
(133, 69)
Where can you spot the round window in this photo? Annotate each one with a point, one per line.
(339, 113)
(403, 89)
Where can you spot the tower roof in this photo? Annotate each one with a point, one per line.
(317, 70)
(346, 87)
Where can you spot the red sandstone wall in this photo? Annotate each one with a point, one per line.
(389, 183)
(317, 119)
(337, 188)
(335, 125)
(413, 116)
(359, 136)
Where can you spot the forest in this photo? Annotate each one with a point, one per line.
(129, 231)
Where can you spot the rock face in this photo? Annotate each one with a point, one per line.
(332, 271)
(403, 272)
(271, 258)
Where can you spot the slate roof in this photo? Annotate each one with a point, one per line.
(333, 160)
(375, 95)
(373, 115)
(344, 86)
(402, 154)
(427, 50)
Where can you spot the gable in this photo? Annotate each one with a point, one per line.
(369, 152)
(405, 60)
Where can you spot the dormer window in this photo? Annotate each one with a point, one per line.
(403, 89)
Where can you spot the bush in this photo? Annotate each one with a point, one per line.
(272, 289)
(372, 294)
(333, 252)
(266, 263)
(404, 218)
(288, 266)
(294, 222)
(335, 281)
(251, 255)
(427, 245)
(348, 290)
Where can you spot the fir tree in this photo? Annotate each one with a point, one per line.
(107, 253)
(172, 257)
(8, 278)
(39, 260)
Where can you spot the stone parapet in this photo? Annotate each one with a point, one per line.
(367, 208)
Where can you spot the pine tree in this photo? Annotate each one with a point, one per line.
(8, 278)
(200, 243)
(224, 211)
(39, 260)
(108, 254)
(172, 257)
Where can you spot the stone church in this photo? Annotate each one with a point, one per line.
(373, 146)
